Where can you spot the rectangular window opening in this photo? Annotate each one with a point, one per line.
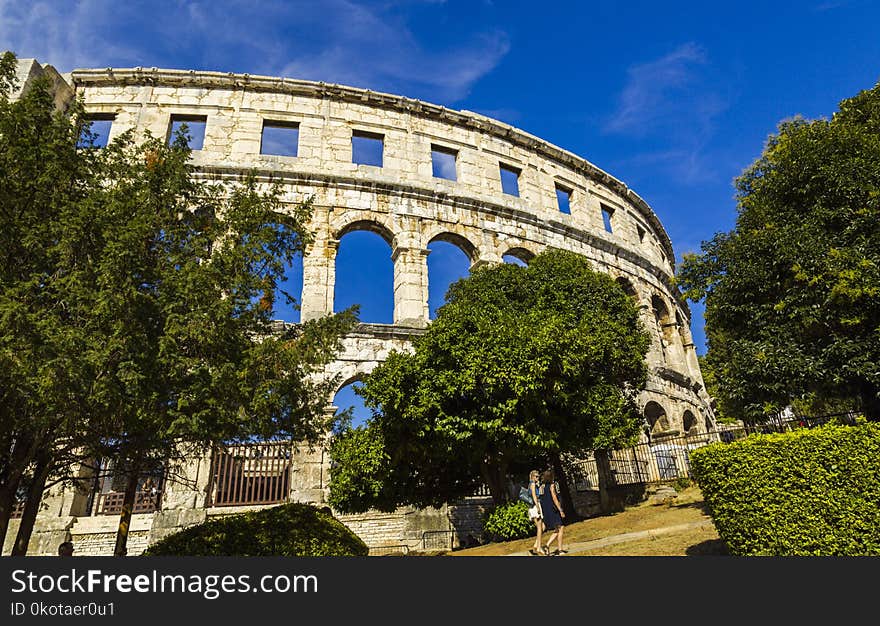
(641, 232)
(192, 125)
(279, 138)
(510, 180)
(607, 214)
(563, 199)
(443, 162)
(366, 148)
(96, 131)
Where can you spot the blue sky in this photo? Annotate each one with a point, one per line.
(675, 99)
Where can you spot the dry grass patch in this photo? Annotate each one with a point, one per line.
(687, 508)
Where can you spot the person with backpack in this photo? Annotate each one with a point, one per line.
(535, 512)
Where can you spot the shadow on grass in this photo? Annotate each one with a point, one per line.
(711, 547)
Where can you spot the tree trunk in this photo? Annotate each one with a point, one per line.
(603, 469)
(870, 404)
(32, 505)
(564, 490)
(494, 477)
(131, 486)
(22, 452)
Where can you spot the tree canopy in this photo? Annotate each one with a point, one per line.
(792, 293)
(136, 300)
(521, 363)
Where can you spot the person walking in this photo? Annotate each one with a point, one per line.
(552, 513)
(535, 513)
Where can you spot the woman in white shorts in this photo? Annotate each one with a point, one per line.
(535, 512)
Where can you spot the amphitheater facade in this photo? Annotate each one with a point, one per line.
(438, 177)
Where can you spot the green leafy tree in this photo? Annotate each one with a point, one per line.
(43, 178)
(136, 304)
(792, 293)
(521, 363)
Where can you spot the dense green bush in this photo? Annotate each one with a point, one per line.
(509, 521)
(812, 492)
(284, 530)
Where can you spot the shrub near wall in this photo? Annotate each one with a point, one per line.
(285, 530)
(509, 521)
(811, 492)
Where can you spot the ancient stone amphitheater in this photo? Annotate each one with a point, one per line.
(430, 173)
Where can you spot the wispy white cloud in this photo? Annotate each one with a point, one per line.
(672, 102)
(363, 43)
(832, 4)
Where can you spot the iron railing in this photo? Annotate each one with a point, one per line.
(438, 540)
(108, 489)
(392, 550)
(251, 473)
(660, 460)
(110, 503)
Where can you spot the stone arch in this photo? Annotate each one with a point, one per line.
(368, 225)
(459, 241)
(375, 275)
(358, 377)
(667, 325)
(518, 252)
(655, 416)
(361, 413)
(689, 423)
(292, 285)
(450, 260)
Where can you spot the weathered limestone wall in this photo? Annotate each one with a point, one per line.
(410, 208)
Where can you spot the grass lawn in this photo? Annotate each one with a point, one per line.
(687, 508)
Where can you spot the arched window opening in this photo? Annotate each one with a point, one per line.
(663, 322)
(689, 421)
(518, 256)
(347, 399)
(288, 293)
(447, 263)
(656, 418)
(365, 276)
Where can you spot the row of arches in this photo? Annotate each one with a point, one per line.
(669, 328)
(659, 422)
(364, 273)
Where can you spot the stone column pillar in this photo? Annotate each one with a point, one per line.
(656, 354)
(410, 286)
(675, 354)
(489, 258)
(319, 278)
(693, 365)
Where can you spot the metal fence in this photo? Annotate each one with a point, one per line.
(392, 550)
(110, 503)
(108, 490)
(438, 540)
(251, 473)
(668, 459)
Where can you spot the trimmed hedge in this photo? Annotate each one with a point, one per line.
(509, 521)
(284, 530)
(812, 492)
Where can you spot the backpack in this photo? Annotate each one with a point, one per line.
(526, 496)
